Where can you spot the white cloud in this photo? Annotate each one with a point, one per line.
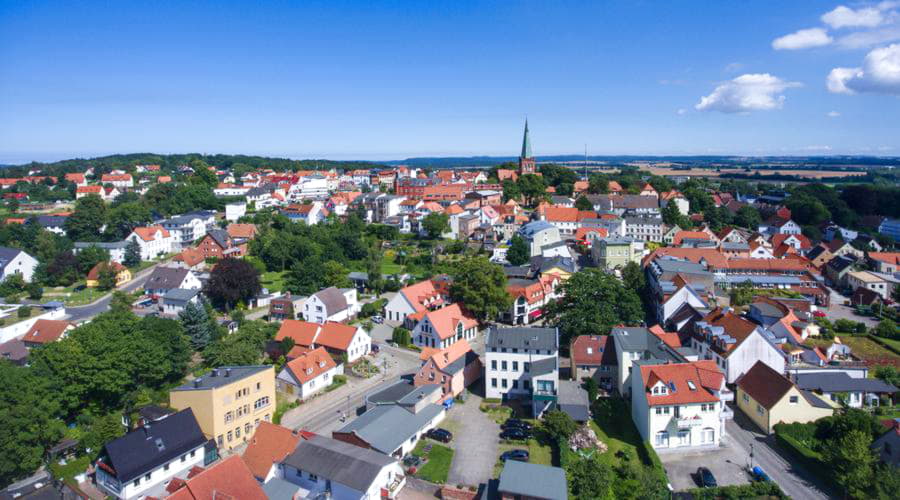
(869, 38)
(749, 92)
(880, 73)
(802, 39)
(833, 114)
(817, 148)
(885, 148)
(734, 67)
(681, 111)
(845, 17)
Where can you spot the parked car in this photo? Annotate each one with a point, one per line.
(515, 423)
(442, 435)
(515, 433)
(819, 314)
(520, 455)
(411, 461)
(705, 478)
(375, 348)
(759, 474)
(377, 319)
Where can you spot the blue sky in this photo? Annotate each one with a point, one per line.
(388, 80)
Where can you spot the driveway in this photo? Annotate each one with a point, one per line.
(726, 463)
(475, 439)
(793, 479)
(839, 311)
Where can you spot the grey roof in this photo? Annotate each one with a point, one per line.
(358, 276)
(221, 376)
(517, 271)
(7, 254)
(461, 362)
(533, 481)
(386, 427)
(418, 393)
(633, 220)
(521, 337)
(634, 201)
(728, 245)
(221, 237)
(546, 263)
(392, 393)
(573, 400)
(814, 400)
(52, 220)
(14, 350)
(333, 299)
(279, 489)
(561, 200)
(148, 447)
(639, 339)
(340, 462)
(534, 227)
(815, 252)
(543, 366)
(840, 263)
(165, 278)
(181, 294)
(767, 309)
(102, 244)
(841, 382)
(760, 279)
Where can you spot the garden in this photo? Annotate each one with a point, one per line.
(433, 461)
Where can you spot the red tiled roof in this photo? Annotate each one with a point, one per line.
(680, 236)
(443, 357)
(148, 233)
(671, 339)
(94, 273)
(336, 335)
(229, 479)
(241, 230)
(115, 178)
(779, 238)
(561, 214)
(704, 375)
(190, 256)
(420, 293)
(303, 332)
(310, 365)
(582, 232)
(886, 257)
(596, 343)
(269, 445)
(89, 189)
(446, 319)
(45, 331)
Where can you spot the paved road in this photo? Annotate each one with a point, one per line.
(793, 480)
(474, 444)
(322, 413)
(838, 311)
(82, 313)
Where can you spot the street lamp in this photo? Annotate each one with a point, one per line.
(751, 456)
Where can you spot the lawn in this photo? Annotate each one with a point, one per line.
(868, 350)
(70, 297)
(389, 264)
(437, 466)
(273, 280)
(538, 453)
(71, 469)
(614, 427)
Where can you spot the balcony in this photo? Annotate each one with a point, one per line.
(543, 394)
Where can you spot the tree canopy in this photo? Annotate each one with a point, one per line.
(232, 281)
(481, 287)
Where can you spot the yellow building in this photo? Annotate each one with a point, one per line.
(229, 402)
(768, 398)
(123, 275)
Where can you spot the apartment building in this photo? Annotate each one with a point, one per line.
(523, 363)
(229, 402)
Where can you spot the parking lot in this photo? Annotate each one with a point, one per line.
(727, 463)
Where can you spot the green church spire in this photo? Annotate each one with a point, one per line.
(526, 142)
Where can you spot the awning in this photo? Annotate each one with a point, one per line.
(537, 313)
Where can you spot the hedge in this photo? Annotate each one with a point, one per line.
(806, 457)
(752, 490)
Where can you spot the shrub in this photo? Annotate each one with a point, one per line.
(401, 336)
(24, 312)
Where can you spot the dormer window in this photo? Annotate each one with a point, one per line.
(691, 385)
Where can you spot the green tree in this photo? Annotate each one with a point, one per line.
(672, 216)
(286, 345)
(29, 410)
(888, 374)
(232, 281)
(90, 257)
(633, 277)
(132, 254)
(87, 219)
(436, 224)
(748, 217)
(592, 303)
(124, 217)
(582, 203)
(511, 190)
(102, 430)
(196, 324)
(107, 277)
(35, 290)
(851, 461)
(591, 478)
(598, 184)
(518, 252)
(533, 188)
(401, 336)
(887, 329)
(559, 425)
(336, 274)
(202, 174)
(480, 287)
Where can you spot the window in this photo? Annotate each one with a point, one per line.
(184, 457)
(515, 350)
(493, 382)
(503, 365)
(261, 403)
(147, 477)
(707, 435)
(494, 364)
(193, 452)
(237, 395)
(314, 478)
(659, 410)
(526, 366)
(229, 416)
(746, 398)
(137, 481)
(515, 384)
(220, 440)
(515, 365)
(299, 473)
(503, 382)
(793, 400)
(759, 409)
(266, 417)
(166, 466)
(237, 433)
(230, 438)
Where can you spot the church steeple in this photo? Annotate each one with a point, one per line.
(526, 142)
(526, 162)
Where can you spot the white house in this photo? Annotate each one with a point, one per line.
(539, 234)
(308, 374)
(412, 299)
(734, 344)
(444, 327)
(522, 363)
(329, 468)
(189, 227)
(331, 304)
(15, 261)
(164, 278)
(234, 211)
(311, 186)
(679, 406)
(155, 241)
(310, 213)
(148, 457)
(116, 249)
(684, 295)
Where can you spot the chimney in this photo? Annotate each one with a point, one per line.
(197, 382)
(228, 372)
